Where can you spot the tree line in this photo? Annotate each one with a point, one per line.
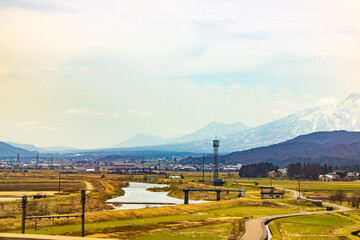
(309, 171)
(257, 170)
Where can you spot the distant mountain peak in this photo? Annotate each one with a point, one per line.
(215, 123)
(353, 98)
(140, 140)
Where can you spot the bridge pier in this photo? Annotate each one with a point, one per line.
(186, 197)
(218, 195)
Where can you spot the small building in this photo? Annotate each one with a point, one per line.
(176, 177)
(329, 177)
(351, 176)
(97, 169)
(270, 193)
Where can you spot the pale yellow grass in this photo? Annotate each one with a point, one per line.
(3, 199)
(11, 224)
(28, 193)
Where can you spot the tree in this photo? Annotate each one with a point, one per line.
(257, 169)
(355, 200)
(294, 170)
(340, 195)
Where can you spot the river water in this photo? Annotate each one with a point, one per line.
(136, 192)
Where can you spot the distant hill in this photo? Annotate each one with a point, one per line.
(6, 150)
(211, 131)
(141, 140)
(208, 132)
(31, 147)
(333, 148)
(328, 138)
(136, 152)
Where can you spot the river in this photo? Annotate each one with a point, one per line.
(136, 192)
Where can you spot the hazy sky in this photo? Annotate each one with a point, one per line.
(94, 73)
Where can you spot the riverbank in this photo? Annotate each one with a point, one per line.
(137, 196)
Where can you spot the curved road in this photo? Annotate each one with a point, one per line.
(255, 228)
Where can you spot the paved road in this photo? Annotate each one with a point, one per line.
(255, 228)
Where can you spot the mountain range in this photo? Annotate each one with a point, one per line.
(235, 137)
(210, 131)
(332, 148)
(31, 147)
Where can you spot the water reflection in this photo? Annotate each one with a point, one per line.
(136, 192)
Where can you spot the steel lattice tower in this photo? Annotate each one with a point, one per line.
(216, 144)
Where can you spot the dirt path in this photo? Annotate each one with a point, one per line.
(255, 228)
(89, 186)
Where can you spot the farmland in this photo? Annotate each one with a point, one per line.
(213, 220)
(149, 223)
(329, 226)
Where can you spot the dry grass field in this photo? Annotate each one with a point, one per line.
(46, 182)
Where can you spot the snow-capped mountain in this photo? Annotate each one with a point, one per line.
(236, 137)
(342, 116)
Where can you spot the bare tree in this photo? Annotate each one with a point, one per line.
(355, 200)
(340, 195)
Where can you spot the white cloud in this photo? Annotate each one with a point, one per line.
(32, 126)
(85, 112)
(117, 115)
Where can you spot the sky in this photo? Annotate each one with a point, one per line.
(93, 73)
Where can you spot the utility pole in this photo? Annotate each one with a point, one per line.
(23, 201)
(204, 168)
(18, 161)
(59, 181)
(37, 161)
(83, 201)
(209, 174)
(270, 181)
(299, 189)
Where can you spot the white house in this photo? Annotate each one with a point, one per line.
(329, 177)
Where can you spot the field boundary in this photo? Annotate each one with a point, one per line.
(255, 228)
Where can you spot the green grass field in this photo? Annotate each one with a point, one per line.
(329, 226)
